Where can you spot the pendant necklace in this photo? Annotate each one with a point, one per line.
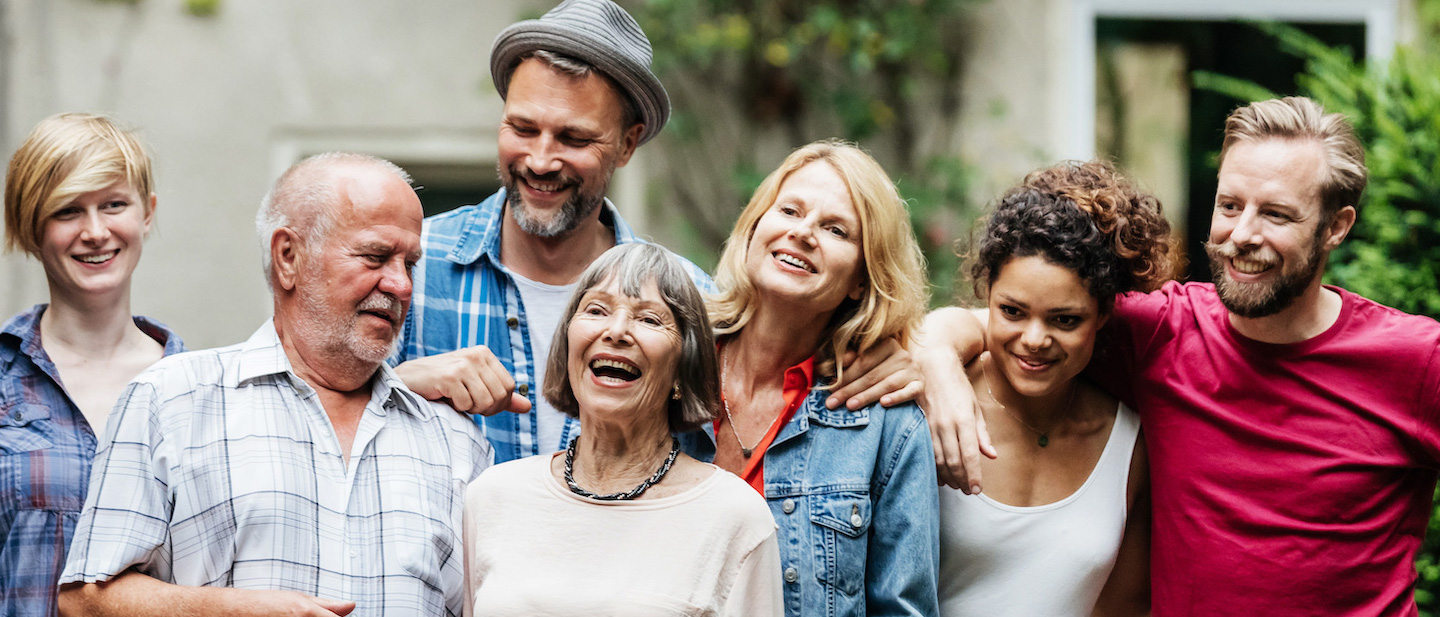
(630, 494)
(1044, 439)
(746, 452)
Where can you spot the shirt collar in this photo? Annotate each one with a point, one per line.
(25, 328)
(24, 331)
(263, 355)
(481, 234)
(801, 376)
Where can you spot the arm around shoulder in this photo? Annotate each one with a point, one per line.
(950, 339)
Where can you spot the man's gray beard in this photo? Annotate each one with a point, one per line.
(1251, 300)
(575, 210)
(339, 339)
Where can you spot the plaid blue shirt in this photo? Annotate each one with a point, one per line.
(220, 468)
(46, 448)
(465, 297)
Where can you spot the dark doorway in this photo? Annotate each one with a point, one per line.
(445, 186)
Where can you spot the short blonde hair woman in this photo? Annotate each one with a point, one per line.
(821, 262)
(79, 197)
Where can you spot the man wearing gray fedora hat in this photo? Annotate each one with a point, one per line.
(579, 99)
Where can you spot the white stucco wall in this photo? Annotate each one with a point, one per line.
(226, 102)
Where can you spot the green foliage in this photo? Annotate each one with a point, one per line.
(202, 8)
(1393, 254)
(198, 8)
(752, 79)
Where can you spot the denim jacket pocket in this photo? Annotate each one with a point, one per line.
(842, 523)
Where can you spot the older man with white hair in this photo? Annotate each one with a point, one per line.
(292, 473)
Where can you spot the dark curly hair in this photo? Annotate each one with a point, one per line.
(1083, 216)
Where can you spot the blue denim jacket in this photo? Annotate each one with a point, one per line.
(853, 493)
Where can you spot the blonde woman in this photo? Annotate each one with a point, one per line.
(78, 197)
(821, 262)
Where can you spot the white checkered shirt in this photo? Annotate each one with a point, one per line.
(220, 468)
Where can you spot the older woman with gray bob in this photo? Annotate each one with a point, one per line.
(622, 522)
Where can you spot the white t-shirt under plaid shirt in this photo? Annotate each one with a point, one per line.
(220, 468)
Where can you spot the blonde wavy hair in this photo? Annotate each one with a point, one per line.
(895, 293)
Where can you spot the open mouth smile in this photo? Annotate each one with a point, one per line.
(97, 258)
(1250, 266)
(614, 370)
(794, 261)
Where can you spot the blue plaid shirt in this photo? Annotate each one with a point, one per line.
(46, 448)
(464, 297)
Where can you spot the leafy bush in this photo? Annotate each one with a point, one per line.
(749, 81)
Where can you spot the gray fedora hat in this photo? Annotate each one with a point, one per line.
(598, 32)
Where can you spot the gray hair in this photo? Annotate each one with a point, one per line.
(575, 67)
(633, 265)
(306, 200)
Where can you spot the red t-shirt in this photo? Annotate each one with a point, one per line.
(797, 384)
(1287, 479)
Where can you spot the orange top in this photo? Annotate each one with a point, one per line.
(798, 379)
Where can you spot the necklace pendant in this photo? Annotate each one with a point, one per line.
(746, 451)
(1044, 440)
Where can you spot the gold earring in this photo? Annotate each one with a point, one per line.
(675, 392)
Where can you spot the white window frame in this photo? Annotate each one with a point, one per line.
(1077, 114)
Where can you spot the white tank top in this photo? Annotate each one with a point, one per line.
(1052, 560)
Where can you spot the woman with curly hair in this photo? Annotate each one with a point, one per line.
(1062, 527)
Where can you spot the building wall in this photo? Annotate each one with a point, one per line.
(225, 103)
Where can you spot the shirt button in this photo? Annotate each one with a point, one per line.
(855, 519)
(788, 506)
(512, 322)
(524, 389)
(791, 575)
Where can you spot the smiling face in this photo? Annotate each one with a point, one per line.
(1042, 325)
(623, 353)
(1268, 234)
(560, 141)
(805, 250)
(353, 290)
(92, 244)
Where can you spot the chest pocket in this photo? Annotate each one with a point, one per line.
(841, 523)
(22, 427)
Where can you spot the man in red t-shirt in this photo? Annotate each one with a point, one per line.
(1291, 425)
